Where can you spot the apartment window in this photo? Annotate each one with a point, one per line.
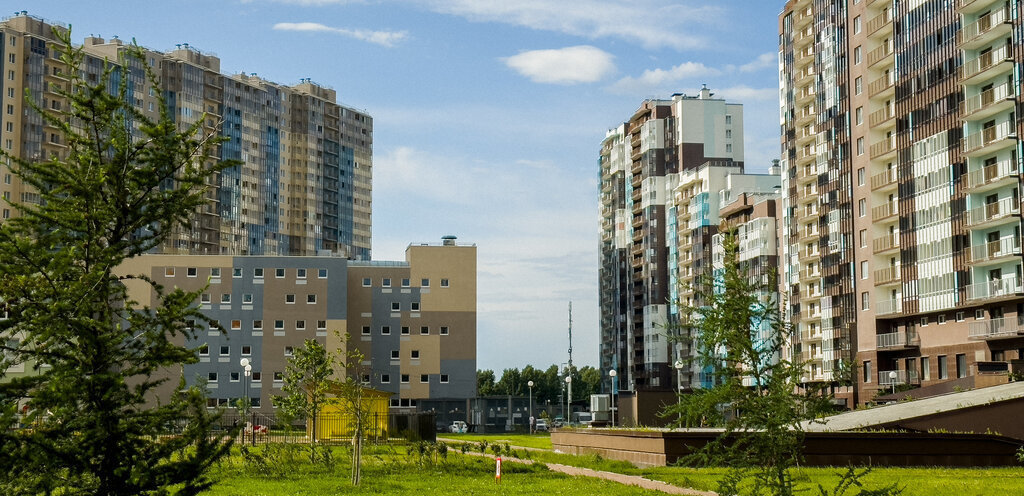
(386, 282)
(865, 301)
(204, 350)
(246, 350)
(257, 325)
(366, 282)
(395, 355)
(415, 354)
(300, 325)
(168, 271)
(366, 330)
(225, 350)
(424, 378)
(425, 283)
(289, 298)
(414, 306)
(396, 306)
(215, 272)
(191, 272)
(385, 330)
(943, 367)
(863, 238)
(212, 377)
(235, 377)
(405, 330)
(236, 272)
(405, 378)
(867, 371)
(926, 369)
(856, 54)
(321, 325)
(385, 378)
(444, 330)
(204, 298)
(300, 273)
(941, 319)
(247, 298)
(961, 365)
(321, 274)
(979, 314)
(311, 298)
(728, 149)
(444, 283)
(959, 316)
(257, 273)
(858, 85)
(860, 146)
(225, 298)
(860, 176)
(862, 207)
(289, 351)
(279, 273)
(257, 377)
(728, 119)
(863, 269)
(860, 115)
(405, 282)
(279, 325)
(728, 133)
(924, 321)
(444, 378)
(856, 25)
(236, 324)
(424, 330)
(366, 378)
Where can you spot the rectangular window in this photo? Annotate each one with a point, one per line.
(246, 350)
(414, 306)
(959, 316)
(321, 325)
(385, 330)
(191, 272)
(366, 282)
(321, 274)
(289, 351)
(860, 115)
(289, 299)
(204, 298)
(225, 350)
(865, 301)
(204, 350)
(386, 282)
(235, 376)
(856, 25)
(860, 176)
(279, 273)
(300, 325)
(858, 85)
(396, 306)
(863, 269)
(405, 378)
(860, 146)
(857, 53)
(311, 298)
(943, 367)
(405, 282)
(215, 272)
(257, 325)
(236, 272)
(385, 379)
(395, 355)
(926, 369)
(961, 365)
(168, 271)
(236, 324)
(424, 330)
(444, 330)
(444, 283)
(405, 330)
(225, 298)
(425, 283)
(862, 207)
(415, 354)
(366, 330)
(924, 321)
(247, 298)
(212, 377)
(424, 378)
(300, 273)
(257, 377)
(278, 376)
(867, 371)
(863, 238)
(279, 325)
(257, 273)
(941, 319)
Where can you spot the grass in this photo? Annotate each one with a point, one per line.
(539, 441)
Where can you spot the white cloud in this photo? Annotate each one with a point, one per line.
(571, 65)
(768, 60)
(743, 94)
(652, 23)
(652, 79)
(383, 38)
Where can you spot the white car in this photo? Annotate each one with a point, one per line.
(459, 427)
(542, 425)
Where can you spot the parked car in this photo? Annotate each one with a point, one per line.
(542, 425)
(459, 427)
(558, 422)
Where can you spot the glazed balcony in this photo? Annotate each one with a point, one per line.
(897, 340)
(884, 180)
(887, 275)
(989, 140)
(999, 328)
(987, 28)
(995, 251)
(993, 213)
(991, 176)
(988, 103)
(986, 66)
(884, 211)
(805, 96)
(974, 6)
(994, 290)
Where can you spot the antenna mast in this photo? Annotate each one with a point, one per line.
(568, 373)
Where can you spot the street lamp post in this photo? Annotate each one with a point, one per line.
(612, 373)
(530, 385)
(892, 379)
(568, 398)
(245, 403)
(679, 388)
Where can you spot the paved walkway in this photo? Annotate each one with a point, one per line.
(629, 480)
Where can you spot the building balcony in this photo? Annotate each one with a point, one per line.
(884, 148)
(805, 156)
(803, 37)
(999, 328)
(884, 211)
(807, 115)
(882, 87)
(888, 307)
(805, 95)
(995, 251)
(808, 274)
(881, 24)
(887, 275)
(989, 27)
(991, 176)
(808, 255)
(990, 139)
(884, 180)
(889, 378)
(803, 18)
(993, 213)
(882, 118)
(986, 66)
(806, 174)
(997, 289)
(894, 340)
(988, 103)
(882, 52)
(974, 6)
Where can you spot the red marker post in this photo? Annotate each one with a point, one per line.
(497, 470)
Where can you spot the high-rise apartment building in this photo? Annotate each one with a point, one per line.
(663, 172)
(901, 247)
(302, 186)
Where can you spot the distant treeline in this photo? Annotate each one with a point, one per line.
(547, 384)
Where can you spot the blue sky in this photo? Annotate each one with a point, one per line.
(488, 118)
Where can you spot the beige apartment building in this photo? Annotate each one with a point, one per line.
(901, 248)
